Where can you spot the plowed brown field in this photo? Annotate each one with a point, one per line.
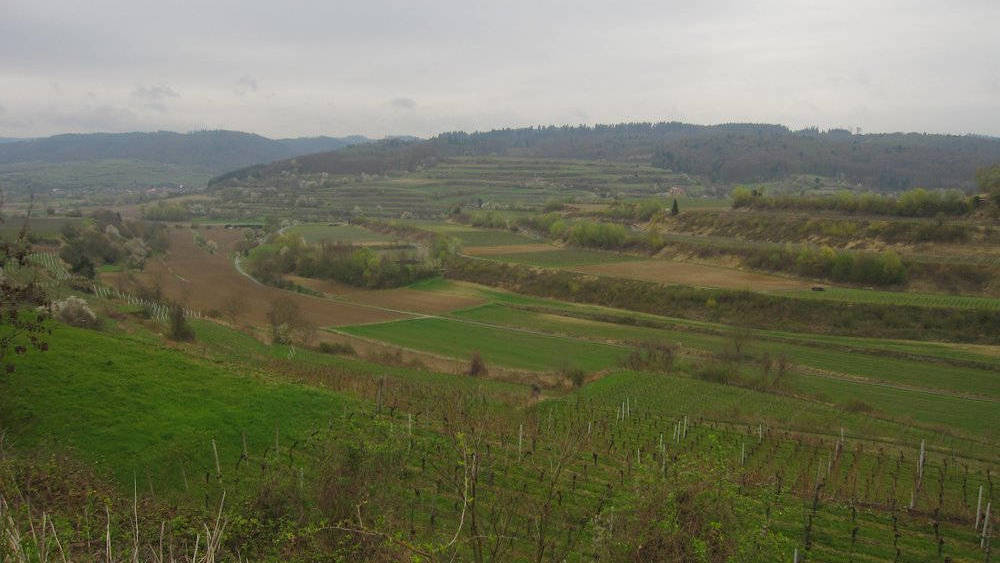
(402, 299)
(698, 275)
(204, 281)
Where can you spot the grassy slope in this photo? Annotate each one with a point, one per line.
(505, 347)
(154, 407)
(131, 404)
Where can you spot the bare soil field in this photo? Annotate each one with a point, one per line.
(697, 275)
(205, 281)
(403, 299)
(507, 249)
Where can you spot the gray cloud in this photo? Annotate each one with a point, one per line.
(246, 85)
(154, 97)
(403, 103)
(338, 68)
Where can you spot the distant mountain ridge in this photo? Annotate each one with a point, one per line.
(722, 154)
(215, 151)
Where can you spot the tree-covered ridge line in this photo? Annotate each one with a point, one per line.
(216, 151)
(728, 153)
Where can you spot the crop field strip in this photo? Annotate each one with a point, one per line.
(967, 399)
(516, 348)
(901, 386)
(708, 275)
(869, 363)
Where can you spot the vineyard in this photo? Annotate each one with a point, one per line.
(468, 467)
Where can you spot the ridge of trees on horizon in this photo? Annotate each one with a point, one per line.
(723, 154)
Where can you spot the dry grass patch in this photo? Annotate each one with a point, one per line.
(698, 275)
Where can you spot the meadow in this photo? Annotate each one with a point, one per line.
(337, 233)
(511, 348)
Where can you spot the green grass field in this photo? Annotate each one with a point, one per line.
(511, 348)
(133, 406)
(916, 398)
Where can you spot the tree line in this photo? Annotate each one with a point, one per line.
(911, 203)
(722, 154)
(346, 263)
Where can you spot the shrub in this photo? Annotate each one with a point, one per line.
(75, 312)
(477, 366)
(652, 356)
(714, 372)
(336, 348)
(180, 330)
(858, 406)
(574, 375)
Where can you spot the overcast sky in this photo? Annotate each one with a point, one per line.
(378, 67)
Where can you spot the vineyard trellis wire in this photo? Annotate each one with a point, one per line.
(157, 311)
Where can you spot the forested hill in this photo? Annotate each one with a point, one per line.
(727, 153)
(216, 151)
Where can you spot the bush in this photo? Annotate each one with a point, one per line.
(180, 330)
(652, 356)
(477, 366)
(714, 372)
(858, 406)
(336, 348)
(574, 375)
(75, 312)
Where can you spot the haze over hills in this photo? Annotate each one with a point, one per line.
(218, 150)
(134, 160)
(721, 154)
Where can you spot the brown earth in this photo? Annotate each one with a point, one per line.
(204, 282)
(403, 299)
(698, 275)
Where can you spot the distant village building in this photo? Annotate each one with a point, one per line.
(677, 191)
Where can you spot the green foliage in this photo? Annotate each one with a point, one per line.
(988, 180)
(883, 268)
(354, 265)
(180, 330)
(511, 348)
(634, 210)
(598, 235)
(110, 240)
(163, 211)
(336, 348)
(911, 203)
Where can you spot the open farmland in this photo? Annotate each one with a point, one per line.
(512, 348)
(204, 281)
(562, 257)
(338, 233)
(698, 275)
(899, 298)
(403, 298)
(496, 182)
